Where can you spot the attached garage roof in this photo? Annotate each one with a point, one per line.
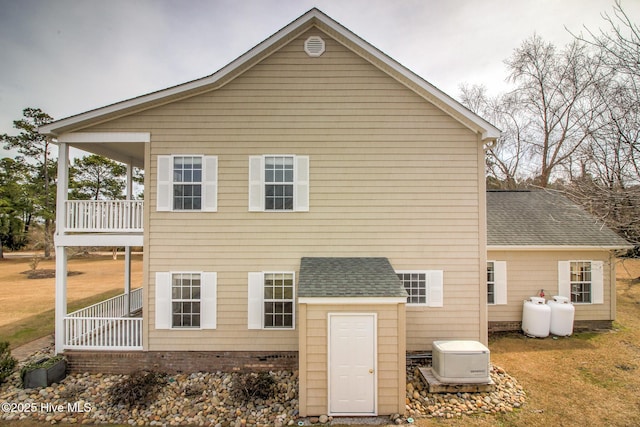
(349, 277)
(544, 219)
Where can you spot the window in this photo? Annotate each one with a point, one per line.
(185, 300)
(187, 183)
(278, 183)
(271, 300)
(423, 287)
(580, 277)
(278, 180)
(581, 281)
(496, 282)
(416, 286)
(491, 283)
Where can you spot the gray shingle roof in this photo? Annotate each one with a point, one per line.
(348, 277)
(543, 218)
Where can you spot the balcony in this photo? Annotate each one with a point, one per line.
(104, 216)
(107, 325)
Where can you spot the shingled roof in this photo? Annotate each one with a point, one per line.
(349, 277)
(544, 218)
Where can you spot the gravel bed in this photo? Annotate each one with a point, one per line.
(204, 399)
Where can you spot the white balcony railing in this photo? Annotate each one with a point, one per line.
(95, 216)
(103, 326)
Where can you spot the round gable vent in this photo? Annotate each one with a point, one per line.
(314, 46)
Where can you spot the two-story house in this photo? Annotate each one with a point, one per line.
(313, 204)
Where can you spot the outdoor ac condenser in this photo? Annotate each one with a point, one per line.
(460, 362)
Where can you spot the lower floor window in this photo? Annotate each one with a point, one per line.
(278, 300)
(580, 276)
(185, 300)
(491, 283)
(416, 286)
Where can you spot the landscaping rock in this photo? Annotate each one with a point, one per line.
(203, 399)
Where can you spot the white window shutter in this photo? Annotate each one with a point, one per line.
(301, 189)
(500, 284)
(255, 304)
(208, 300)
(256, 183)
(164, 193)
(163, 300)
(210, 184)
(435, 283)
(564, 279)
(597, 282)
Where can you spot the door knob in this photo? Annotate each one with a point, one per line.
(371, 371)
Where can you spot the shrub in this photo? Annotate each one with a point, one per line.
(250, 386)
(136, 390)
(7, 362)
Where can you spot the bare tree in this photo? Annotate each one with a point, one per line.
(507, 159)
(554, 95)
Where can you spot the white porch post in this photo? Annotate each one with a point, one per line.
(61, 255)
(127, 249)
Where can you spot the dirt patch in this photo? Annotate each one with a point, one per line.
(48, 273)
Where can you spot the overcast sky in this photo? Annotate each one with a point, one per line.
(69, 56)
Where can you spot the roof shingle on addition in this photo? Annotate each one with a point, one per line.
(544, 218)
(349, 277)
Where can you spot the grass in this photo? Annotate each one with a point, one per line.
(39, 325)
(28, 304)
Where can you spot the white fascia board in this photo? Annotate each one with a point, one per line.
(104, 137)
(555, 248)
(89, 239)
(351, 300)
(489, 132)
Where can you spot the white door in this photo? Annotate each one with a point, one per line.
(352, 364)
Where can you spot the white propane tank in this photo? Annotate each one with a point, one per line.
(562, 314)
(536, 317)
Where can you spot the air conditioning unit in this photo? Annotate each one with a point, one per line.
(460, 362)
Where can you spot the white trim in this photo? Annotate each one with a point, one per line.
(99, 239)
(104, 137)
(375, 364)
(351, 300)
(214, 81)
(555, 248)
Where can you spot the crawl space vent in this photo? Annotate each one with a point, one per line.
(314, 46)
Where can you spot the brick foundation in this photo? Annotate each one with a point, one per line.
(578, 326)
(123, 362)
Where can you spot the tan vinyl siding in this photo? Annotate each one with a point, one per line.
(391, 175)
(530, 271)
(390, 357)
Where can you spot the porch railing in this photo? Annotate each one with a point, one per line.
(103, 326)
(113, 307)
(91, 216)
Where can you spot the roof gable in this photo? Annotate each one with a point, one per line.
(313, 18)
(544, 219)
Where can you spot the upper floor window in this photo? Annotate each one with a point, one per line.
(187, 183)
(279, 183)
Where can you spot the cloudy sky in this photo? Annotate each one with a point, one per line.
(69, 56)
